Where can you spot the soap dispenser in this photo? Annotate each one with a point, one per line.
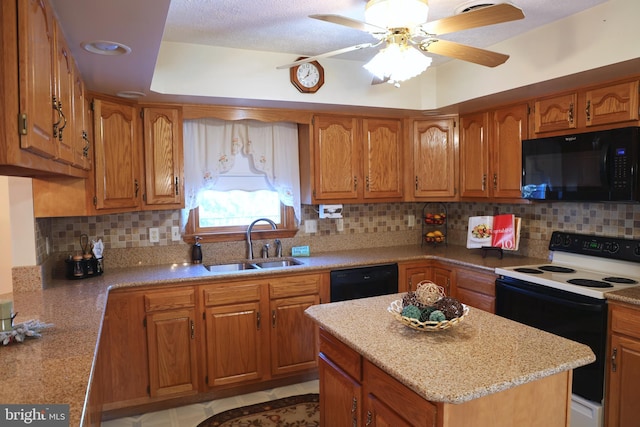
(196, 252)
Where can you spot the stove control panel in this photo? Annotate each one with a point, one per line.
(600, 246)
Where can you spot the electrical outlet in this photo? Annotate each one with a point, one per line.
(311, 226)
(339, 224)
(175, 233)
(154, 235)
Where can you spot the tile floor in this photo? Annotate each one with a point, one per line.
(191, 415)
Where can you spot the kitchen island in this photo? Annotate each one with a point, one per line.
(485, 371)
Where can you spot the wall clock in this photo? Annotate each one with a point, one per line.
(307, 77)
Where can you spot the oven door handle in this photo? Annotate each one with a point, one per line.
(568, 302)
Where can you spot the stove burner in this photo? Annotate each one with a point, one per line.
(556, 269)
(528, 270)
(590, 283)
(623, 280)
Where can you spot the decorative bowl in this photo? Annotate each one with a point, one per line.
(395, 308)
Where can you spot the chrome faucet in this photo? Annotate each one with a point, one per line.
(250, 229)
(278, 248)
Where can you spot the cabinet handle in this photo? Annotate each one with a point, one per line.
(588, 110)
(273, 318)
(177, 181)
(193, 329)
(137, 187)
(258, 320)
(367, 182)
(85, 150)
(484, 182)
(355, 183)
(416, 182)
(64, 125)
(369, 418)
(495, 181)
(614, 356)
(570, 115)
(55, 125)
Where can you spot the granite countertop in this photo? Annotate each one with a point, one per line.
(57, 367)
(482, 355)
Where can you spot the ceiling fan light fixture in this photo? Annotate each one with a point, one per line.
(397, 63)
(396, 13)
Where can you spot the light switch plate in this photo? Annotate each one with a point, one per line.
(175, 233)
(154, 235)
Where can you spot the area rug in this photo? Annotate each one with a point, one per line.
(294, 411)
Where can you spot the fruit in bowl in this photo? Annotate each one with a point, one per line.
(434, 236)
(435, 218)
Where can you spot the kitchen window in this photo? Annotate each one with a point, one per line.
(236, 172)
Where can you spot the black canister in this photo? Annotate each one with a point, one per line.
(196, 252)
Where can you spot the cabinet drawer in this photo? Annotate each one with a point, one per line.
(342, 355)
(296, 285)
(477, 300)
(166, 300)
(231, 293)
(476, 281)
(625, 320)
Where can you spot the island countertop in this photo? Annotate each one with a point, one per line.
(483, 354)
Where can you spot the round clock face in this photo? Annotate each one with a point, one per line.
(308, 75)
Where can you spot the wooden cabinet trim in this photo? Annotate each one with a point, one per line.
(231, 293)
(171, 299)
(341, 354)
(294, 285)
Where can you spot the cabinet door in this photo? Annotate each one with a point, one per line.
(380, 415)
(37, 50)
(117, 157)
(383, 172)
(234, 339)
(475, 288)
(509, 128)
(434, 159)
(555, 113)
(336, 158)
(624, 382)
(172, 352)
(416, 275)
(612, 104)
(293, 335)
(64, 84)
(474, 155)
(82, 135)
(123, 355)
(163, 157)
(442, 277)
(341, 403)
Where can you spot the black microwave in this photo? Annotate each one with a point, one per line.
(592, 166)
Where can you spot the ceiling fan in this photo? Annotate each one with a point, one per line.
(402, 26)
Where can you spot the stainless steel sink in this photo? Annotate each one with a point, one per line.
(235, 266)
(278, 263)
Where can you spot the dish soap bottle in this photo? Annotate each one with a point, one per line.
(196, 252)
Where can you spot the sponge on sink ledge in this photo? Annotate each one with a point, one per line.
(300, 251)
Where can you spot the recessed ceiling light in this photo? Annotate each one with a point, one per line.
(130, 94)
(103, 47)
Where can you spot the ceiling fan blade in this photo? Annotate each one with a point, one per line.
(463, 52)
(377, 80)
(352, 23)
(327, 54)
(480, 17)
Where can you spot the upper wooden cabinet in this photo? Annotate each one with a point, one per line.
(117, 156)
(435, 159)
(163, 158)
(491, 153)
(579, 110)
(352, 160)
(37, 121)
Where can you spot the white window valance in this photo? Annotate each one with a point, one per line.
(211, 147)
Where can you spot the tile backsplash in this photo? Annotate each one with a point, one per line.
(126, 241)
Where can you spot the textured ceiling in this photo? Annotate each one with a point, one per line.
(266, 25)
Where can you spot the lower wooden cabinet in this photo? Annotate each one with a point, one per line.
(412, 273)
(623, 373)
(475, 287)
(171, 340)
(236, 332)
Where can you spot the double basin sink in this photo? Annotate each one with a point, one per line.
(252, 265)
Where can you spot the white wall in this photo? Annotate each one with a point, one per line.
(603, 35)
(17, 228)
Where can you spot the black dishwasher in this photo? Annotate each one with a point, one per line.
(362, 282)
